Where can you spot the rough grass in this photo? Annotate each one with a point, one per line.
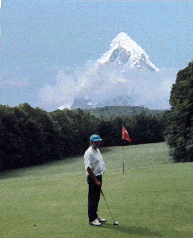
(153, 198)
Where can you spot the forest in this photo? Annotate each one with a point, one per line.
(31, 136)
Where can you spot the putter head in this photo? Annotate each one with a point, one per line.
(115, 223)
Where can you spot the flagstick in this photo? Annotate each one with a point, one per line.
(122, 157)
(124, 187)
(125, 136)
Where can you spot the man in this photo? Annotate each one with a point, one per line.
(95, 167)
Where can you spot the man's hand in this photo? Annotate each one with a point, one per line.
(91, 174)
(98, 183)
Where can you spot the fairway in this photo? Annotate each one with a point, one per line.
(153, 198)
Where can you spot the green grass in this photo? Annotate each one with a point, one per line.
(153, 198)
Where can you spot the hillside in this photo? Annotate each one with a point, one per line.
(153, 198)
(112, 111)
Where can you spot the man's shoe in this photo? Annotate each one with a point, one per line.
(100, 219)
(95, 223)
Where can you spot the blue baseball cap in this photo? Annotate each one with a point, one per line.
(95, 138)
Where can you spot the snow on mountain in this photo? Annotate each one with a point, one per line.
(125, 51)
(111, 80)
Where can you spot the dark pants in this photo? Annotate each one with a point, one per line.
(93, 197)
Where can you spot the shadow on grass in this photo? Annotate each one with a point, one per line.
(38, 170)
(132, 230)
(106, 149)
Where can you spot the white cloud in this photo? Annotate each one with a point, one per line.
(145, 88)
(153, 89)
(61, 93)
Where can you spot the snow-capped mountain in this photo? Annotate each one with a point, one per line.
(111, 80)
(126, 52)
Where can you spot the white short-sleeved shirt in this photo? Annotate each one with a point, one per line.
(94, 160)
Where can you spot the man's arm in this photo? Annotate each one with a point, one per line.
(91, 174)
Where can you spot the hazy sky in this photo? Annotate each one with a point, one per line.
(45, 45)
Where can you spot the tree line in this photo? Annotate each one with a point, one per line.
(31, 136)
(179, 119)
(113, 111)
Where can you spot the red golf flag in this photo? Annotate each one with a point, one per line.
(125, 135)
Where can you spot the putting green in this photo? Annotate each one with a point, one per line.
(153, 198)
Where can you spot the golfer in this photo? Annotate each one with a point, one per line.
(95, 167)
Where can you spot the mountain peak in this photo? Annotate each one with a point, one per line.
(105, 83)
(122, 37)
(126, 52)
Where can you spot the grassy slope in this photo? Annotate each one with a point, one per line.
(154, 198)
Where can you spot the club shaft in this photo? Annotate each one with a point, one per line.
(107, 205)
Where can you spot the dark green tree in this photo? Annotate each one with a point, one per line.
(179, 120)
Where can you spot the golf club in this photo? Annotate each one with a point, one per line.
(115, 223)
